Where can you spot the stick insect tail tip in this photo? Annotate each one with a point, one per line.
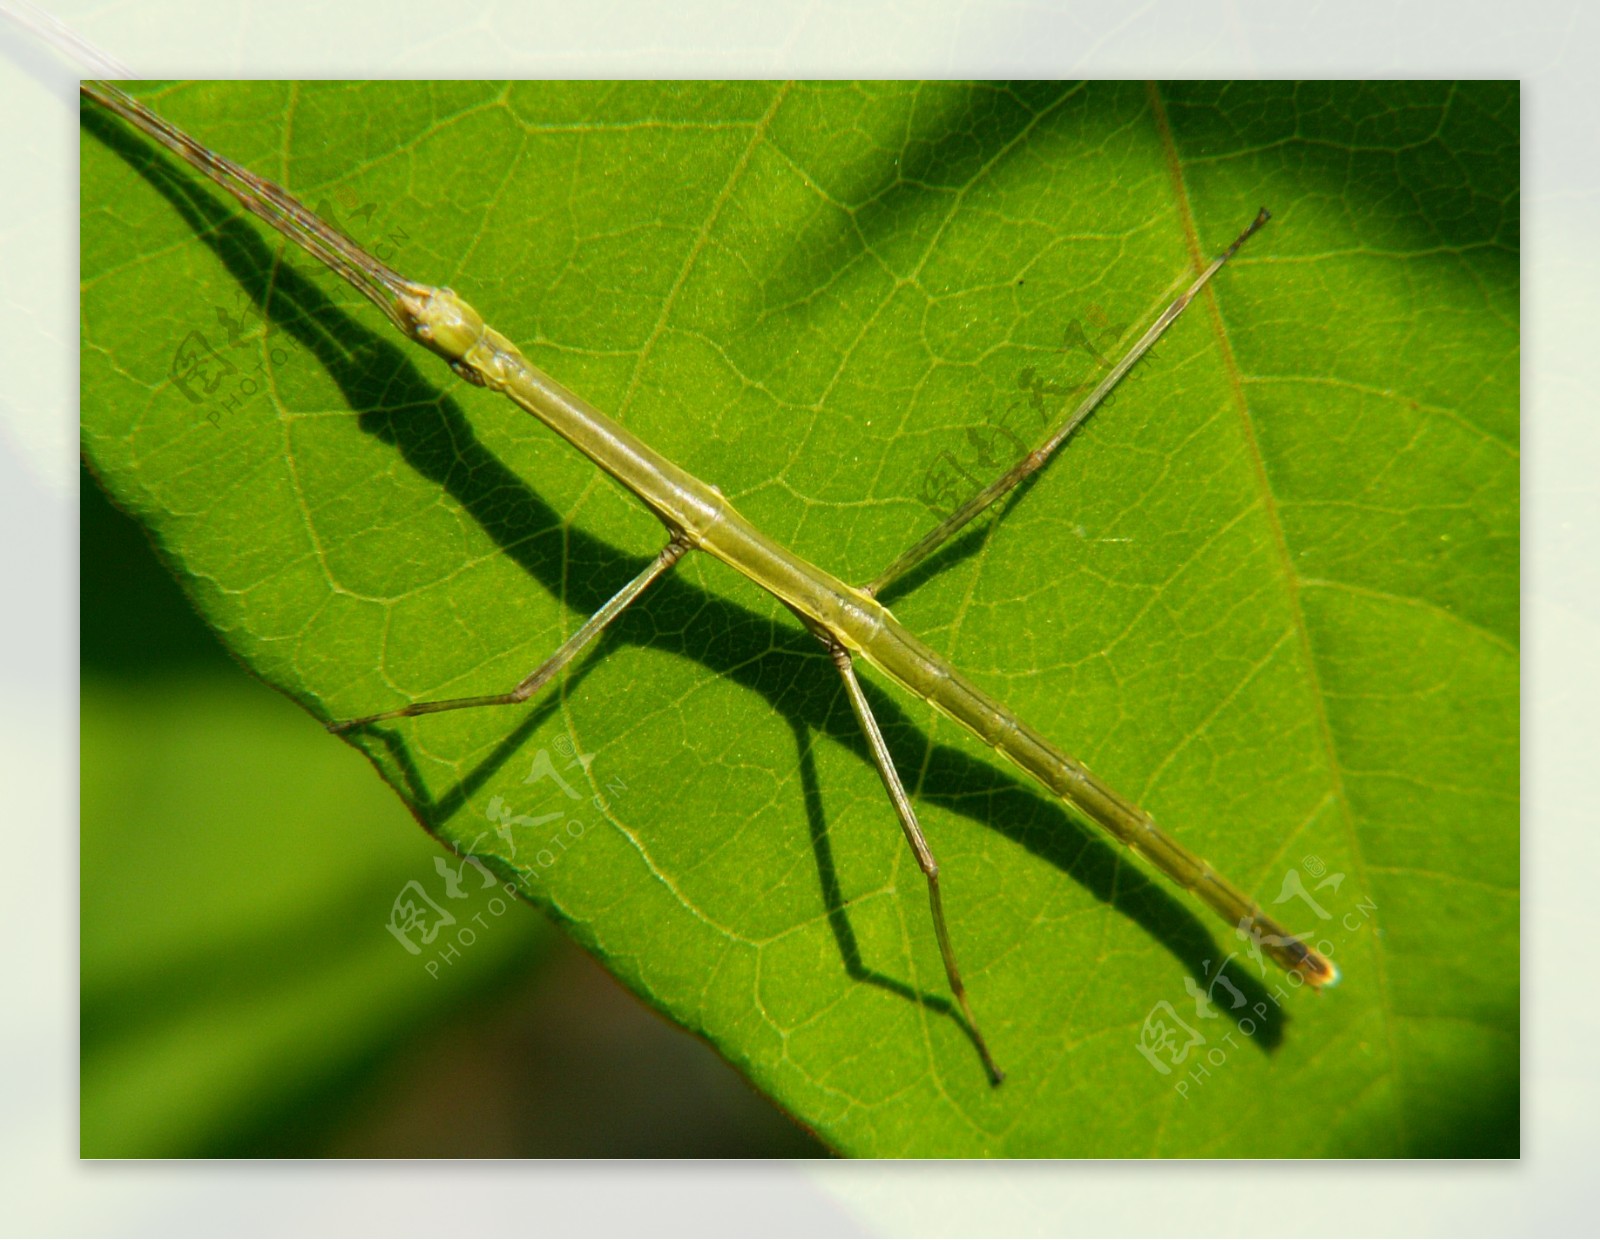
(1320, 972)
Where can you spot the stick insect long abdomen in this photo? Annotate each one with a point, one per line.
(850, 622)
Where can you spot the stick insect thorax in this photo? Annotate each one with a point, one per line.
(850, 621)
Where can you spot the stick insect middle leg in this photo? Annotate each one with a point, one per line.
(910, 826)
(546, 671)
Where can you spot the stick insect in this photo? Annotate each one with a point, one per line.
(849, 621)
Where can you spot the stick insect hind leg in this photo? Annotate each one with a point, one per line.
(1040, 456)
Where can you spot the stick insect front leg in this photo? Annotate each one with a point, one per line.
(546, 671)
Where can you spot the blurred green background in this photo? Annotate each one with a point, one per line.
(241, 993)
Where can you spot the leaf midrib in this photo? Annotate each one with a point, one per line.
(1288, 581)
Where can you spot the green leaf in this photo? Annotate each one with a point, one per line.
(1270, 593)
